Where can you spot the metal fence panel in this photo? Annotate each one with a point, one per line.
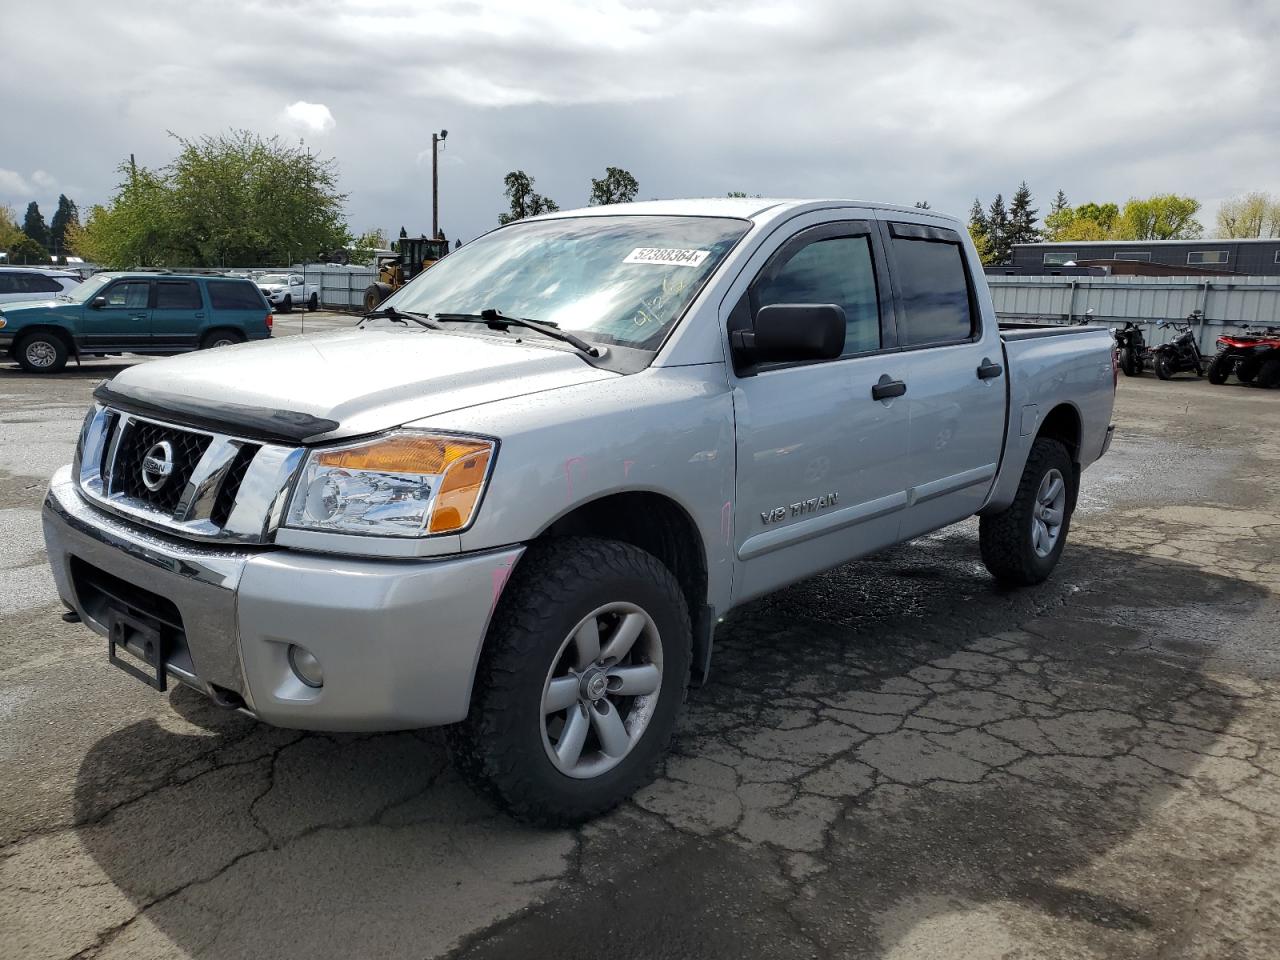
(1228, 302)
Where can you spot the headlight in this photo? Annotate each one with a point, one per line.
(405, 484)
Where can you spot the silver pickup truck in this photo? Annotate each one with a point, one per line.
(517, 499)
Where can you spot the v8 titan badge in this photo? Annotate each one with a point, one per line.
(812, 505)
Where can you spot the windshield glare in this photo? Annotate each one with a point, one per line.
(619, 279)
(273, 278)
(84, 292)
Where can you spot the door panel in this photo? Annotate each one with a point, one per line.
(956, 416)
(820, 462)
(178, 315)
(124, 322)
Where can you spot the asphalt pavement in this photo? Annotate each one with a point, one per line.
(896, 759)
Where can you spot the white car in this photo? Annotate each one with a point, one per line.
(289, 290)
(34, 283)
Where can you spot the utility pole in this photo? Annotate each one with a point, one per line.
(436, 140)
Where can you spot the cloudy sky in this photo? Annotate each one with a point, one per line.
(886, 100)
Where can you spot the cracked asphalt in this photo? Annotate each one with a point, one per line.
(893, 760)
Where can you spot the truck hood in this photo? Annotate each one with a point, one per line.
(28, 308)
(348, 382)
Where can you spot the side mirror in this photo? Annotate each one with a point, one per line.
(792, 331)
(97, 303)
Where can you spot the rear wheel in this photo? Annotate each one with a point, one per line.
(220, 338)
(42, 352)
(1021, 546)
(580, 682)
(1269, 373)
(1164, 367)
(1220, 368)
(313, 303)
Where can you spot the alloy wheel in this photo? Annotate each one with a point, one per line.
(1049, 512)
(40, 353)
(601, 690)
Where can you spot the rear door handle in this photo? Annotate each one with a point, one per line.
(988, 370)
(138, 316)
(887, 388)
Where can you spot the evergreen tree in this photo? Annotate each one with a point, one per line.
(1059, 203)
(33, 225)
(1022, 218)
(66, 215)
(978, 230)
(998, 230)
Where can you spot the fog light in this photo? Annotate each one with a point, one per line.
(305, 666)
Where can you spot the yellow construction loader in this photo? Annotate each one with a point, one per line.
(411, 256)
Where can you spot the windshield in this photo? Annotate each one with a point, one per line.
(619, 279)
(274, 278)
(89, 289)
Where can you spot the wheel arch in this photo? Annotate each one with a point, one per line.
(1064, 424)
(60, 332)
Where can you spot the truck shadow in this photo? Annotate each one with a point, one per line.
(897, 734)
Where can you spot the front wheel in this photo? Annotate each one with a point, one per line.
(1164, 367)
(1220, 368)
(42, 352)
(1021, 546)
(1127, 362)
(580, 682)
(1269, 372)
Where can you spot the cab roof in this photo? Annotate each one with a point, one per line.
(757, 209)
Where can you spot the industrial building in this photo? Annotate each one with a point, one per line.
(1257, 257)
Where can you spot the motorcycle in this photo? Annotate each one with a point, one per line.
(1182, 352)
(1132, 347)
(1253, 356)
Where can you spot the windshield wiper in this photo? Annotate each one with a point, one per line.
(399, 316)
(496, 320)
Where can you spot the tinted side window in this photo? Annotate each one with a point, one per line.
(178, 295)
(132, 294)
(8, 282)
(235, 295)
(836, 271)
(39, 283)
(935, 292)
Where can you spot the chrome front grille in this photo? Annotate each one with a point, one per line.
(193, 483)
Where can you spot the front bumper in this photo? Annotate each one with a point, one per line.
(398, 641)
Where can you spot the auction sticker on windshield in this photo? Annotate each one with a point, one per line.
(667, 257)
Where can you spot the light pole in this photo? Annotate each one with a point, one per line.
(436, 140)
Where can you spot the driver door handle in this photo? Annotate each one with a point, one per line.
(987, 370)
(887, 389)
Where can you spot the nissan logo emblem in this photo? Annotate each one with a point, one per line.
(157, 465)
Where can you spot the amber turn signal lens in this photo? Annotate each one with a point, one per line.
(404, 453)
(459, 492)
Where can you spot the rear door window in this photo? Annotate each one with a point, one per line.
(236, 295)
(9, 282)
(934, 292)
(836, 270)
(178, 295)
(39, 283)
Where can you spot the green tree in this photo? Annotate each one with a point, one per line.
(997, 224)
(33, 225)
(66, 214)
(524, 200)
(1249, 216)
(617, 186)
(1165, 216)
(232, 199)
(363, 247)
(1022, 217)
(10, 232)
(1089, 221)
(978, 230)
(26, 250)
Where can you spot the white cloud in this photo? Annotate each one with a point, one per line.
(44, 180)
(12, 183)
(313, 117)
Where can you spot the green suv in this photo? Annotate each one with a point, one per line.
(114, 313)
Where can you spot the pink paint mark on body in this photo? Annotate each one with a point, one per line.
(568, 474)
(500, 576)
(726, 520)
(626, 468)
